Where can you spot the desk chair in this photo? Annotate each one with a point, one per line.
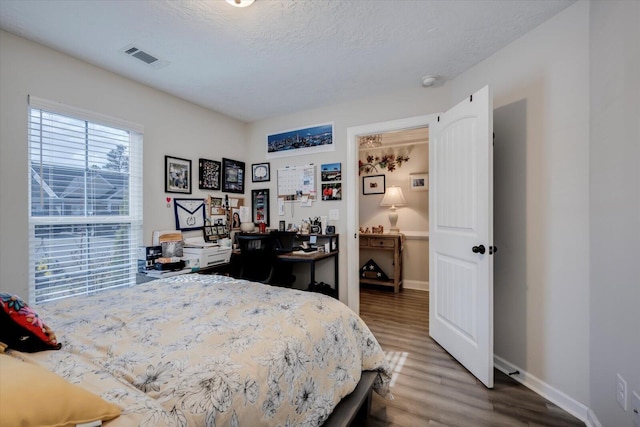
(257, 259)
(283, 243)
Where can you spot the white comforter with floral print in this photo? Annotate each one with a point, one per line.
(199, 350)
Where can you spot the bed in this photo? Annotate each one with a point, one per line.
(198, 350)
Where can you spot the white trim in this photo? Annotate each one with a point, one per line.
(81, 113)
(572, 406)
(416, 235)
(352, 196)
(418, 285)
(592, 420)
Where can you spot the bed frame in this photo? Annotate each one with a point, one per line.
(356, 406)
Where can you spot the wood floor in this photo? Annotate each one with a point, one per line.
(431, 388)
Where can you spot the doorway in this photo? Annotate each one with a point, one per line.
(461, 199)
(354, 191)
(393, 243)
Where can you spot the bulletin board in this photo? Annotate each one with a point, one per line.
(297, 182)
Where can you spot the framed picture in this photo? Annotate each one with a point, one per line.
(189, 214)
(373, 184)
(209, 174)
(419, 181)
(332, 191)
(235, 219)
(260, 206)
(293, 142)
(260, 172)
(210, 233)
(232, 176)
(215, 206)
(177, 175)
(331, 172)
(218, 219)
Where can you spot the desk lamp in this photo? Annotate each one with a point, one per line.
(393, 197)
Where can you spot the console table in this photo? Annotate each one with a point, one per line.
(393, 245)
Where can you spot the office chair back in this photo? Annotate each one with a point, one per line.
(283, 241)
(257, 259)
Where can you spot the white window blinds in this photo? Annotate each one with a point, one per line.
(85, 195)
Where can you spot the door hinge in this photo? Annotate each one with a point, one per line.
(493, 250)
(470, 98)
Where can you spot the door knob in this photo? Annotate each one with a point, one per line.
(478, 249)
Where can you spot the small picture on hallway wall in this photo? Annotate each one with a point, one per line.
(419, 181)
(373, 184)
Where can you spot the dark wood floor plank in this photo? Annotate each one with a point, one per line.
(431, 388)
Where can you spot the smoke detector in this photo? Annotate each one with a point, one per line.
(240, 3)
(429, 80)
(144, 56)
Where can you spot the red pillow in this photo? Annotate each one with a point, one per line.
(22, 329)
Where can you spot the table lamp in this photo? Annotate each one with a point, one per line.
(393, 197)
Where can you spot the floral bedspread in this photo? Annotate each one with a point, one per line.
(199, 350)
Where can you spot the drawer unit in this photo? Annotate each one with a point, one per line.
(389, 245)
(378, 242)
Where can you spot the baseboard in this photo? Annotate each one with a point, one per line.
(592, 420)
(415, 284)
(572, 406)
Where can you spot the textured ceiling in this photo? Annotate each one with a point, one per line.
(279, 56)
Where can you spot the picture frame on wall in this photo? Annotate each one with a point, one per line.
(332, 191)
(260, 172)
(260, 206)
(374, 184)
(419, 182)
(177, 175)
(331, 172)
(301, 141)
(189, 214)
(232, 176)
(209, 174)
(215, 205)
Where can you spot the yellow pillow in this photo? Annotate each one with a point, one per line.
(32, 396)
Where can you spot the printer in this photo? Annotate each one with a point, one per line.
(199, 254)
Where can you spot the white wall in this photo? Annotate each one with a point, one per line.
(541, 183)
(413, 219)
(414, 216)
(615, 206)
(172, 127)
(541, 91)
(387, 107)
(541, 119)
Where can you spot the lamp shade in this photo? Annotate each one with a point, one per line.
(393, 197)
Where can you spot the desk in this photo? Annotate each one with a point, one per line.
(392, 243)
(311, 258)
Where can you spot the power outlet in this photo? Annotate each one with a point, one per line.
(621, 391)
(635, 407)
(334, 214)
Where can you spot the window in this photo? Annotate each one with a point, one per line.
(85, 195)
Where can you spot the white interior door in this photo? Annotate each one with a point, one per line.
(461, 233)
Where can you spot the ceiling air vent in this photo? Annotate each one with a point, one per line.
(144, 56)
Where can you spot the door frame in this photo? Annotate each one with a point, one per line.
(353, 195)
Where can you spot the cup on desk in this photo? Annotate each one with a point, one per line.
(305, 245)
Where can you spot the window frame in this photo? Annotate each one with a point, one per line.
(132, 220)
